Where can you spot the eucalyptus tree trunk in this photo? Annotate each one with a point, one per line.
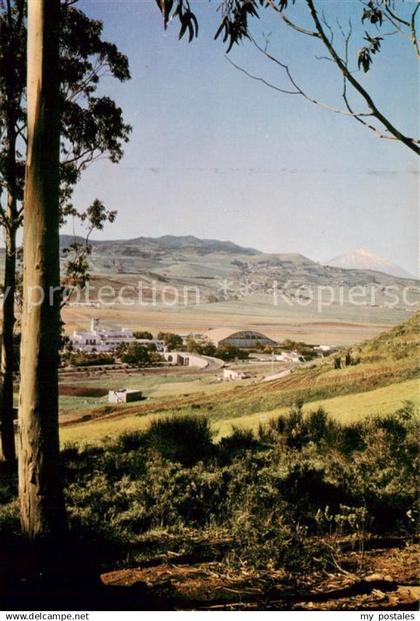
(10, 224)
(42, 508)
(8, 323)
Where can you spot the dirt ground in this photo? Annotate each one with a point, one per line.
(311, 328)
(197, 580)
(389, 582)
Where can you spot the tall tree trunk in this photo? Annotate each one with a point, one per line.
(11, 217)
(8, 323)
(42, 508)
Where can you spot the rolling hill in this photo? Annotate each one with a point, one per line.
(205, 263)
(386, 375)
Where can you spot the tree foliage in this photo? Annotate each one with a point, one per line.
(91, 126)
(172, 341)
(376, 18)
(76, 272)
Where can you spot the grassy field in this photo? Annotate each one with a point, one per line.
(347, 408)
(153, 387)
(386, 376)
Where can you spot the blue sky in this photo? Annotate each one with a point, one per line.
(217, 155)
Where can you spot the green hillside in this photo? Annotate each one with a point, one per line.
(399, 343)
(387, 374)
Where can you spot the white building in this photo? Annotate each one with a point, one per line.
(289, 356)
(99, 340)
(124, 395)
(232, 375)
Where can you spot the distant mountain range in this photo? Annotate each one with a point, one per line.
(364, 259)
(213, 265)
(166, 243)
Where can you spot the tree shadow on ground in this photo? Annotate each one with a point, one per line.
(66, 577)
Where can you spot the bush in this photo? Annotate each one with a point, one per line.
(230, 352)
(184, 439)
(350, 438)
(134, 353)
(9, 518)
(297, 430)
(239, 442)
(143, 334)
(267, 541)
(204, 348)
(81, 359)
(271, 496)
(172, 341)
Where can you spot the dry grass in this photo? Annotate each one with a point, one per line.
(346, 408)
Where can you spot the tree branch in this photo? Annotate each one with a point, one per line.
(298, 89)
(344, 93)
(414, 31)
(394, 15)
(305, 31)
(259, 79)
(409, 142)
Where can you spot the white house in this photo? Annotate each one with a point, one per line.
(124, 395)
(231, 375)
(289, 356)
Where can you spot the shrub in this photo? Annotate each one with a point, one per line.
(230, 352)
(9, 518)
(172, 341)
(205, 348)
(297, 429)
(273, 494)
(239, 441)
(81, 359)
(267, 541)
(350, 438)
(134, 353)
(184, 439)
(261, 517)
(132, 441)
(143, 334)
(184, 496)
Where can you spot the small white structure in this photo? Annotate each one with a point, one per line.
(230, 375)
(289, 356)
(323, 348)
(185, 359)
(124, 395)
